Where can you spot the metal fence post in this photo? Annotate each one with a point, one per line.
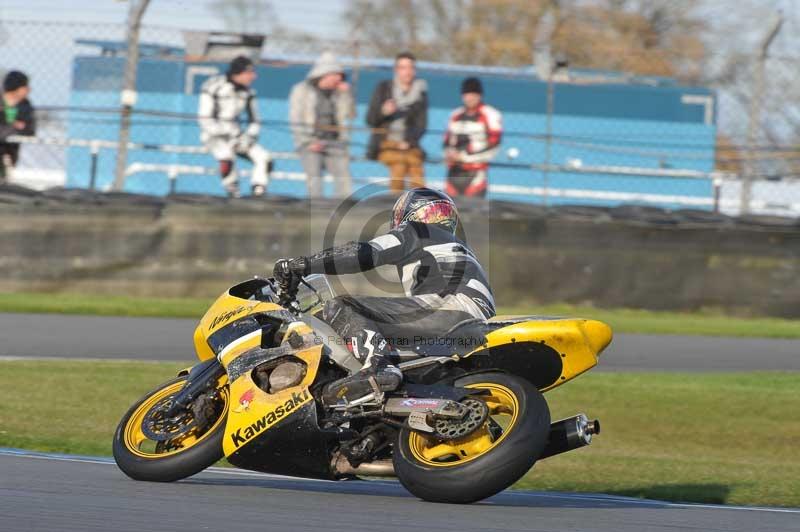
(543, 61)
(128, 97)
(756, 99)
(548, 138)
(94, 153)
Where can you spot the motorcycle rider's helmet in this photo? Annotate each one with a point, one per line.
(427, 206)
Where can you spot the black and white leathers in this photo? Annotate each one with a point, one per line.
(435, 267)
(222, 102)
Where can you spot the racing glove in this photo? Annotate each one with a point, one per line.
(244, 142)
(286, 270)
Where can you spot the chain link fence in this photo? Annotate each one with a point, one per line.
(575, 136)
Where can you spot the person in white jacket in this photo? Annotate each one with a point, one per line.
(223, 101)
(320, 109)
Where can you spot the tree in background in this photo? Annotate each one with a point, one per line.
(651, 37)
(245, 16)
(258, 16)
(645, 37)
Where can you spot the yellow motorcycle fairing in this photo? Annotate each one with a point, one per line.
(254, 411)
(224, 311)
(265, 430)
(546, 351)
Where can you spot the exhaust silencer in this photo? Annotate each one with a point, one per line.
(571, 433)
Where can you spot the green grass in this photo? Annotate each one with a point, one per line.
(71, 406)
(156, 307)
(714, 438)
(719, 438)
(621, 320)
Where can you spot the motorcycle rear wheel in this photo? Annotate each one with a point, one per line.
(487, 461)
(189, 453)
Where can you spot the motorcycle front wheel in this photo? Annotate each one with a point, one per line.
(148, 446)
(486, 461)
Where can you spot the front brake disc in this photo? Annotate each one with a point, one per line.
(452, 429)
(158, 427)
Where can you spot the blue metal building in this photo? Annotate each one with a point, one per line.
(599, 119)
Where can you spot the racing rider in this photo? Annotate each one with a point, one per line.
(443, 281)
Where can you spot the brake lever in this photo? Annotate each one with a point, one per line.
(289, 291)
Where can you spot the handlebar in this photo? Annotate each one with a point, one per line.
(287, 294)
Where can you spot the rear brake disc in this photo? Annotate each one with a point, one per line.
(452, 429)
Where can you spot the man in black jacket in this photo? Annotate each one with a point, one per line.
(16, 118)
(443, 280)
(398, 114)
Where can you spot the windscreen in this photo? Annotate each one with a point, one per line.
(311, 298)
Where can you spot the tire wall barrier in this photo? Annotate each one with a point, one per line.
(624, 257)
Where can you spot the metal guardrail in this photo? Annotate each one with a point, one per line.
(173, 171)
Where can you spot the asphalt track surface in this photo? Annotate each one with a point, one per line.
(51, 335)
(46, 492)
(40, 492)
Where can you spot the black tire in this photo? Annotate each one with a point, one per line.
(171, 467)
(487, 474)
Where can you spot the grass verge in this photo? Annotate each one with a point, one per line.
(621, 320)
(718, 438)
(156, 307)
(726, 438)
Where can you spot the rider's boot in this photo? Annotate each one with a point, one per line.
(372, 349)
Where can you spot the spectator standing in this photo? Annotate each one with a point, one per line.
(398, 114)
(471, 141)
(16, 118)
(320, 109)
(223, 100)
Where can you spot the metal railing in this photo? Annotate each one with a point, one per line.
(173, 171)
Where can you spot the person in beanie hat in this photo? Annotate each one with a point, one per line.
(223, 99)
(320, 110)
(16, 118)
(471, 141)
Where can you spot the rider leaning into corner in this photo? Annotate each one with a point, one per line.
(443, 281)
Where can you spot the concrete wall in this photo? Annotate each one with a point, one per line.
(607, 257)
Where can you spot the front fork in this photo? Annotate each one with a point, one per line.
(201, 377)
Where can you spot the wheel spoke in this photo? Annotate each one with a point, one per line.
(442, 450)
(477, 443)
(138, 438)
(472, 445)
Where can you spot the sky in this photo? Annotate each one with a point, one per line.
(321, 17)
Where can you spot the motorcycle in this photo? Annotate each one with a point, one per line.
(468, 421)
